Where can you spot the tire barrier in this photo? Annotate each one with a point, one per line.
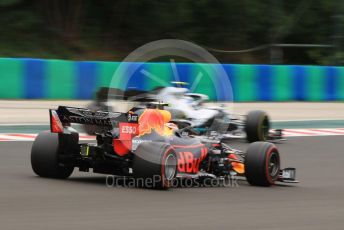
(25, 78)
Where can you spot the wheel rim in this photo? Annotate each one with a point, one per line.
(273, 165)
(170, 167)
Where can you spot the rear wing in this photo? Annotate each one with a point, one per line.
(104, 93)
(63, 117)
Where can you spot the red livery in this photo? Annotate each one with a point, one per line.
(148, 146)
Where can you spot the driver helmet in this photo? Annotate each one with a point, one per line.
(170, 128)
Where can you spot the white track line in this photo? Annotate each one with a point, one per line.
(286, 133)
(32, 136)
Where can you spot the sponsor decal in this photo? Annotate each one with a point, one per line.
(155, 120)
(128, 130)
(88, 113)
(136, 141)
(190, 160)
(132, 117)
(86, 120)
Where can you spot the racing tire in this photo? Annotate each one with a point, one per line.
(45, 153)
(257, 126)
(262, 164)
(155, 165)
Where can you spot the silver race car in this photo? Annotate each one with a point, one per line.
(190, 110)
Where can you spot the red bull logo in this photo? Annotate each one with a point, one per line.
(149, 121)
(189, 160)
(154, 119)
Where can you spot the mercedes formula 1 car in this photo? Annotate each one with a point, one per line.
(188, 109)
(148, 147)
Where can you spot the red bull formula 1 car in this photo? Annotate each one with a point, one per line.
(150, 148)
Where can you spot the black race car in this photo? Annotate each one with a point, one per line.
(150, 148)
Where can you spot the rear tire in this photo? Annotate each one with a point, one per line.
(44, 155)
(155, 165)
(257, 126)
(262, 164)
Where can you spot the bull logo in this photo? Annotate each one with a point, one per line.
(154, 120)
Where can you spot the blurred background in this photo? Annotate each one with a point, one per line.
(271, 50)
(281, 56)
(246, 31)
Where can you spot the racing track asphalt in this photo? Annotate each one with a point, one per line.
(84, 202)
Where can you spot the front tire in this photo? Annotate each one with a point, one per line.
(155, 165)
(257, 126)
(262, 164)
(45, 153)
